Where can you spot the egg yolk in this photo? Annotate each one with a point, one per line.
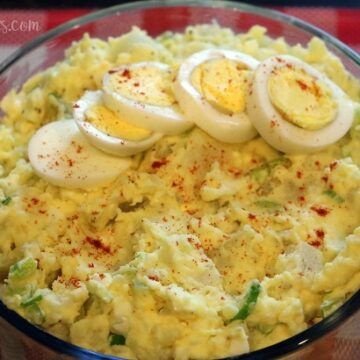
(223, 83)
(146, 84)
(301, 99)
(108, 122)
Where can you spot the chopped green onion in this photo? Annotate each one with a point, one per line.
(249, 301)
(23, 268)
(265, 328)
(116, 339)
(355, 128)
(329, 306)
(357, 116)
(55, 95)
(6, 201)
(99, 289)
(333, 195)
(166, 35)
(35, 313)
(260, 173)
(32, 301)
(284, 161)
(267, 204)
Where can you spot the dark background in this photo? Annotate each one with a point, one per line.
(104, 3)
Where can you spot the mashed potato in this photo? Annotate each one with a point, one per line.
(161, 263)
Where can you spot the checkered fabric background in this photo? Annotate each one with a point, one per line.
(19, 26)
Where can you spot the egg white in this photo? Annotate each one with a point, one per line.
(280, 133)
(164, 119)
(60, 154)
(109, 144)
(235, 128)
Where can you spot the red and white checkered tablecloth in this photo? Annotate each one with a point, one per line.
(19, 26)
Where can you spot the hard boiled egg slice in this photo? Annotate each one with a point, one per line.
(296, 108)
(107, 131)
(142, 94)
(211, 87)
(61, 155)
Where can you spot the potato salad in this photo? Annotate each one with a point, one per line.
(194, 195)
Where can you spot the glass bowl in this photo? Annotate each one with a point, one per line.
(339, 333)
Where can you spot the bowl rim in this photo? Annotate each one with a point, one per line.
(285, 347)
(144, 4)
(278, 350)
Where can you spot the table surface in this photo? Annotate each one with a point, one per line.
(19, 26)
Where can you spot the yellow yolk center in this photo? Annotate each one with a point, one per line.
(223, 83)
(108, 122)
(301, 99)
(146, 84)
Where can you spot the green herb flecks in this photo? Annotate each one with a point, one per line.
(249, 301)
(116, 339)
(333, 195)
